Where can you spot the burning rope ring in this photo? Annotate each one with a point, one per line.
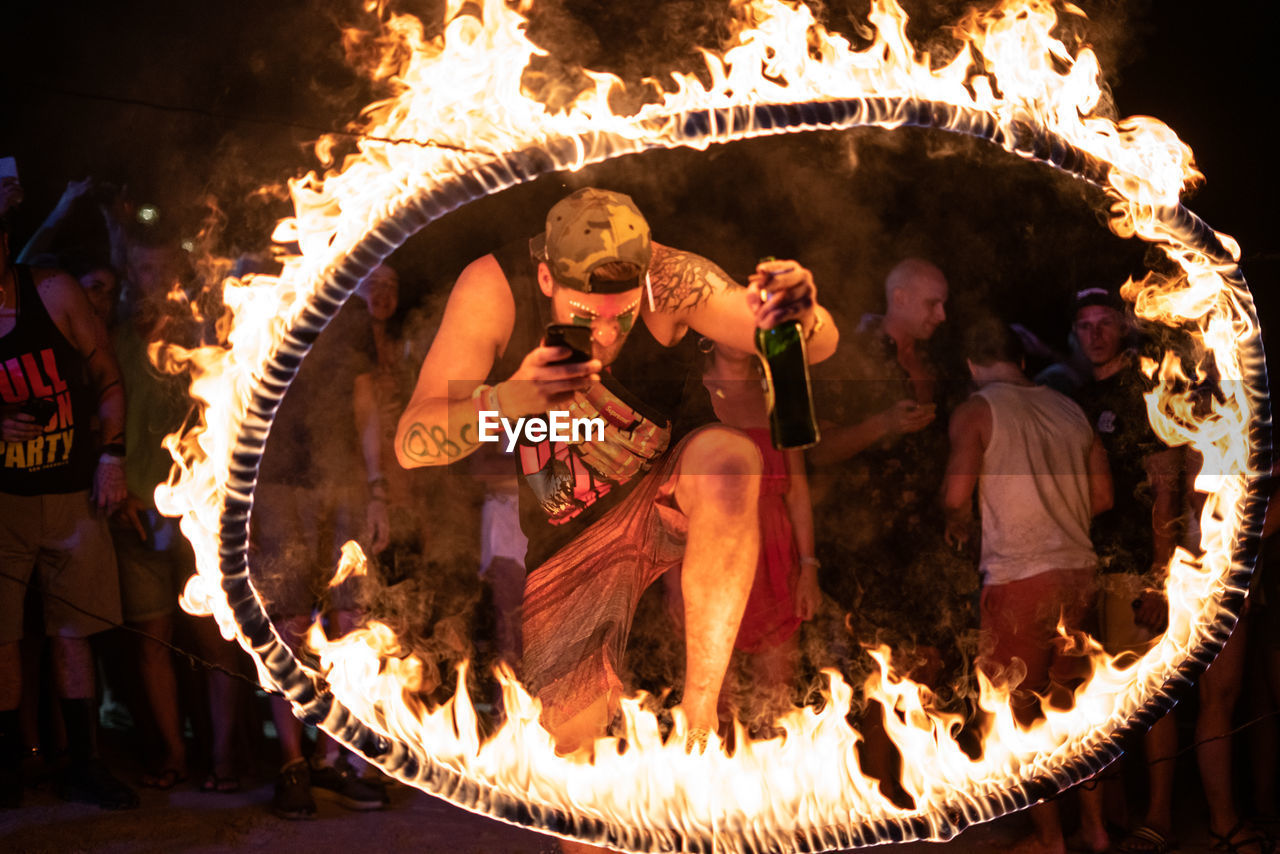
(314, 702)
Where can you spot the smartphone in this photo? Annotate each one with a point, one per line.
(42, 409)
(576, 338)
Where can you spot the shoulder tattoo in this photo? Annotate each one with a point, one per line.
(683, 280)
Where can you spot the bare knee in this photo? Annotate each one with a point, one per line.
(720, 471)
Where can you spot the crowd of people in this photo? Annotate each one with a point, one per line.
(967, 512)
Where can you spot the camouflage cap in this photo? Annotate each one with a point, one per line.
(591, 228)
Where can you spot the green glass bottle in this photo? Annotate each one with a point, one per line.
(792, 423)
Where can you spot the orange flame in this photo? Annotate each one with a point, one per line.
(460, 101)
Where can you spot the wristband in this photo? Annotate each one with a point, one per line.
(486, 397)
(111, 460)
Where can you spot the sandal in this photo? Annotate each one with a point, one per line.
(1252, 836)
(213, 784)
(164, 781)
(1145, 840)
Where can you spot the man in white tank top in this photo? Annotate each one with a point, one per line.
(1041, 475)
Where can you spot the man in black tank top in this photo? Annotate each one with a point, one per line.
(57, 483)
(608, 510)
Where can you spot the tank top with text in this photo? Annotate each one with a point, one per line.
(37, 361)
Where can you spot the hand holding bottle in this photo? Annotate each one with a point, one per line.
(779, 291)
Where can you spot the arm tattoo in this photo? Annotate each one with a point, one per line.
(683, 281)
(428, 443)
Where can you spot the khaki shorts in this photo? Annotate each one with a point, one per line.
(154, 571)
(62, 538)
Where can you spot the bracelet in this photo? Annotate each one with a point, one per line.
(486, 398)
(111, 460)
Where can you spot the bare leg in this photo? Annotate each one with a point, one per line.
(288, 727)
(1093, 830)
(161, 686)
(224, 692)
(773, 676)
(10, 677)
(1161, 743)
(327, 749)
(1219, 690)
(73, 668)
(1265, 774)
(31, 653)
(718, 488)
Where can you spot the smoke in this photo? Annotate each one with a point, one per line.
(1008, 234)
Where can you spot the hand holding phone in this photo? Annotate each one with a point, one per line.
(574, 338)
(42, 409)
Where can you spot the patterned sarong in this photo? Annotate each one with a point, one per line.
(579, 604)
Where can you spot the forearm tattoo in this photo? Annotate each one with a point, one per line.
(683, 281)
(430, 443)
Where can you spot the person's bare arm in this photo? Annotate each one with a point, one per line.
(441, 423)
(800, 509)
(67, 305)
(703, 297)
(369, 427)
(45, 233)
(842, 441)
(1101, 494)
(1271, 523)
(1164, 473)
(970, 431)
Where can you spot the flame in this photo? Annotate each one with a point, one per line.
(351, 563)
(460, 104)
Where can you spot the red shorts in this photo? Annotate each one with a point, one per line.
(1020, 621)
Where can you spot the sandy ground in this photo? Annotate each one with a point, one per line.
(187, 820)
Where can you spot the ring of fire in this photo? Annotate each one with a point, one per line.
(1213, 296)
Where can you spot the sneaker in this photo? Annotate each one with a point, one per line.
(91, 783)
(292, 799)
(343, 785)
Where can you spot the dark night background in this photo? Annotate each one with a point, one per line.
(183, 101)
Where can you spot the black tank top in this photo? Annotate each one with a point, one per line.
(661, 383)
(36, 361)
